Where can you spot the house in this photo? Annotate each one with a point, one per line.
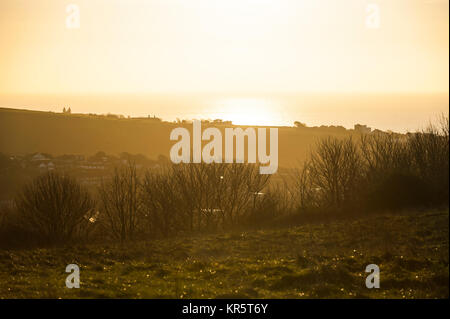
(38, 157)
(47, 166)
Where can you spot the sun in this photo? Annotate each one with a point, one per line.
(247, 111)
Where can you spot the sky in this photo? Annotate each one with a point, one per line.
(188, 46)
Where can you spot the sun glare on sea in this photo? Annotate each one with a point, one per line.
(247, 111)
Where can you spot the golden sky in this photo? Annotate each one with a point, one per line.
(178, 46)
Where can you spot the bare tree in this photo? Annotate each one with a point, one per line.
(303, 192)
(120, 202)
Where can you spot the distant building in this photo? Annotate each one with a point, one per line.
(378, 132)
(38, 157)
(363, 129)
(47, 166)
(154, 118)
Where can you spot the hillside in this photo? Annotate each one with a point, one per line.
(24, 132)
(321, 260)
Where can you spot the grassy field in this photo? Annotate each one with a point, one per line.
(310, 261)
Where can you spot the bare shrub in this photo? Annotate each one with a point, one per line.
(335, 172)
(385, 154)
(270, 206)
(391, 180)
(242, 182)
(202, 190)
(429, 151)
(198, 197)
(161, 204)
(53, 208)
(405, 171)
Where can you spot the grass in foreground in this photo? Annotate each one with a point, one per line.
(310, 261)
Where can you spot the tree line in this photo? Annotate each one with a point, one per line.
(347, 176)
